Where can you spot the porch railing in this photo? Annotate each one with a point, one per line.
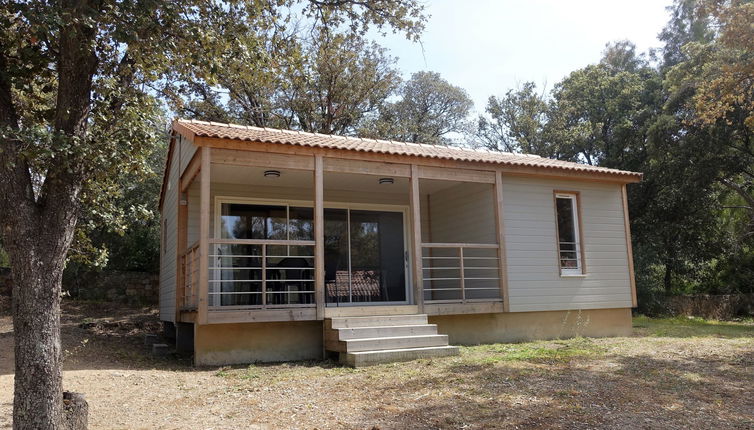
(190, 267)
(460, 272)
(261, 274)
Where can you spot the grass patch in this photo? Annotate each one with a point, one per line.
(692, 327)
(542, 351)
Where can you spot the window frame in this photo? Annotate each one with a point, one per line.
(575, 197)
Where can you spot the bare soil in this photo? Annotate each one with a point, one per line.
(672, 374)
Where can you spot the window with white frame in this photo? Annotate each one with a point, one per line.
(569, 237)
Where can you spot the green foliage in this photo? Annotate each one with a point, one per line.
(430, 110)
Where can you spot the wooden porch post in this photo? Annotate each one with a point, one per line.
(319, 237)
(204, 208)
(416, 236)
(501, 240)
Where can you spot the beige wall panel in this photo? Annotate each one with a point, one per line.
(463, 213)
(168, 240)
(187, 151)
(476, 329)
(534, 281)
(221, 344)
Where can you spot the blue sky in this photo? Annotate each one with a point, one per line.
(489, 46)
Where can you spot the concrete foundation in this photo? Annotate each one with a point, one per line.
(220, 344)
(474, 329)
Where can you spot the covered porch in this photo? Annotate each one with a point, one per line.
(307, 234)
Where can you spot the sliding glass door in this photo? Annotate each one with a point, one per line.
(365, 257)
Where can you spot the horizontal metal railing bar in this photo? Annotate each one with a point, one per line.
(442, 279)
(262, 242)
(259, 268)
(482, 267)
(481, 279)
(235, 256)
(482, 288)
(442, 289)
(460, 301)
(471, 257)
(290, 256)
(290, 280)
(291, 292)
(233, 293)
(460, 245)
(234, 280)
(440, 268)
(218, 308)
(441, 258)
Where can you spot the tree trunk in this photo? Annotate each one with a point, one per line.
(37, 253)
(668, 281)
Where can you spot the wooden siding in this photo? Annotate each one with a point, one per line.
(534, 281)
(168, 254)
(186, 151)
(462, 213)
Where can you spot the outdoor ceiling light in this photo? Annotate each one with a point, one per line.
(272, 173)
(386, 180)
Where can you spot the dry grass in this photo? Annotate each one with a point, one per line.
(674, 373)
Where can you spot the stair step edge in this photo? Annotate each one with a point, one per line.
(416, 336)
(420, 348)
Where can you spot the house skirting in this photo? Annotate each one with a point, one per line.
(221, 344)
(242, 343)
(473, 329)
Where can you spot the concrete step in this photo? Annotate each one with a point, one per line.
(373, 321)
(369, 358)
(384, 331)
(397, 342)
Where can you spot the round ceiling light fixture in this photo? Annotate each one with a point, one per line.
(386, 181)
(272, 173)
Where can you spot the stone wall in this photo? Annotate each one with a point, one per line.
(135, 288)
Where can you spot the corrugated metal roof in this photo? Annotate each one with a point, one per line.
(316, 140)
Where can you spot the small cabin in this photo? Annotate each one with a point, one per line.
(282, 245)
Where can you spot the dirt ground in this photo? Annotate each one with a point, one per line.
(672, 374)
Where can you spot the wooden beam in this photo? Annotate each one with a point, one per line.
(204, 213)
(192, 169)
(377, 168)
(416, 235)
(629, 247)
(502, 259)
(261, 315)
(319, 237)
(463, 308)
(461, 175)
(267, 159)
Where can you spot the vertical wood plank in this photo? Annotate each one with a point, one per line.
(629, 247)
(204, 208)
(499, 218)
(416, 236)
(319, 237)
